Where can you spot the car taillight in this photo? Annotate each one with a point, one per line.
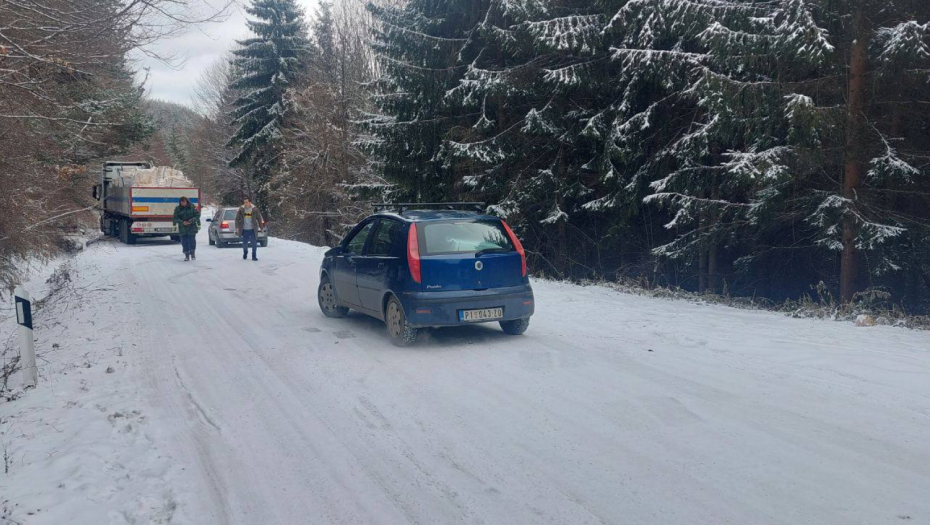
(224, 224)
(517, 245)
(413, 254)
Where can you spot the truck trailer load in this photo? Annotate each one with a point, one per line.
(138, 200)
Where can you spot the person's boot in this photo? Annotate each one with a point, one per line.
(193, 256)
(245, 255)
(187, 256)
(254, 258)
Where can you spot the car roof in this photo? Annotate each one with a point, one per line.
(434, 215)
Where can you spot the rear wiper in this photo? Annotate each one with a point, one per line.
(479, 253)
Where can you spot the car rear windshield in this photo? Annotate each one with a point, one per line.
(465, 237)
(229, 215)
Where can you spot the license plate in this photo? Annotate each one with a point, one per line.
(485, 314)
(164, 230)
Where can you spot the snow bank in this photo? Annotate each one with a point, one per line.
(80, 448)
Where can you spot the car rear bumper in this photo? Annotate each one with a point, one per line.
(424, 309)
(232, 237)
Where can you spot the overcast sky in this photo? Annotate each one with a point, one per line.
(201, 47)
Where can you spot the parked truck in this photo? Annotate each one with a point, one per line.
(138, 200)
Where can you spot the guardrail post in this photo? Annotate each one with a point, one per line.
(27, 349)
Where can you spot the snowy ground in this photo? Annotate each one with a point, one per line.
(233, 400)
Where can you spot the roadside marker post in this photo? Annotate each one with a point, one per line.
(27, 349)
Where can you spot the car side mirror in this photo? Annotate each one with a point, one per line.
(209, 220)
(334, 251)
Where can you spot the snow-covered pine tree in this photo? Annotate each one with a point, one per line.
(267, 65)
(733, 116)
(778, 150)
(530, 90)
(422, 49)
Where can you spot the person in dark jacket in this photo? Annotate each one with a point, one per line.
(187, 218)
(248, 223)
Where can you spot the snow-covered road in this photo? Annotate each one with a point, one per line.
(612, 409)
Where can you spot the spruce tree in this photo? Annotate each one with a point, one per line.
(422, 49)
(266, 66)
(779, 141)
(785, 153)
(524, 151)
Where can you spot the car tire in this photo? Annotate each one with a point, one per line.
(326, 296)
(401, 333)
(211, 241)
(220, 244)
(515, 327)
(264, 244)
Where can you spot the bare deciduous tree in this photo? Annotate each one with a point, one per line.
(68, 99)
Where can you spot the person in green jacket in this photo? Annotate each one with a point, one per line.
(187, 218)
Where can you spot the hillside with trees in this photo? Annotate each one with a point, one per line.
(767, 149)
(69, 98)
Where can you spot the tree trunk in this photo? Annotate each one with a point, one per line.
(702, 271)
(713, 282)
(854, 167)
(324, 234)
(560, 226)
(702, 253)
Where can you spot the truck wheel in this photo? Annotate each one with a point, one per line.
(401, 333)
(516, 327)
(124, 234)
(326, 296)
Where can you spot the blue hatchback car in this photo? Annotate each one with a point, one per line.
(418, 268)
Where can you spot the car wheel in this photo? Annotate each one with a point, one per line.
(401, 333)
(515, 327)
(212, 242)
(264, 243)
(326, 296)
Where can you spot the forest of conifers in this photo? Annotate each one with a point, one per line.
(772, 149)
